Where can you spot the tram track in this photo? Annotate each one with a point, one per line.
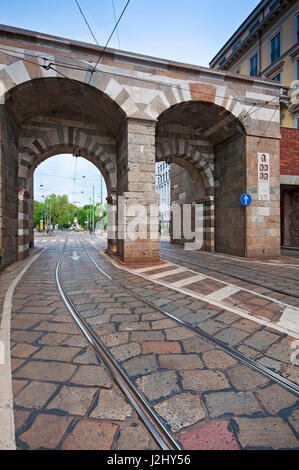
(216, 342)
(234, 276)
(150, 419)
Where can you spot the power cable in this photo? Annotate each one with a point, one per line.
(114, 13)
(106, 45)
(85, 19)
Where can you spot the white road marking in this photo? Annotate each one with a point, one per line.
(223, 293)
(168, 273)
(7, 428)
(152, 268)
(222, 306)
(188, 281)
(290, 319)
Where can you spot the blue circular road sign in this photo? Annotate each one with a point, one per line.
(246, 199)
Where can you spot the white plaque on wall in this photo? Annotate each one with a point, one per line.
(264, 176)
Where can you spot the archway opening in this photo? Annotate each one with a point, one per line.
(70, 193)
(208, 142)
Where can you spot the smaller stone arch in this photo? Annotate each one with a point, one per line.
(179, 149)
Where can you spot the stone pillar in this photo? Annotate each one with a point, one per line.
(8, 189)
(112, 225)
(209, 224)
(136, 190)
(263, 215)
(23, 224)
(30, 214)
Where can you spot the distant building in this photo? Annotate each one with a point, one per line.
(163, 189)
(266, 45)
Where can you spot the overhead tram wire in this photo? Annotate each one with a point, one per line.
(88, 25)
(109, 39)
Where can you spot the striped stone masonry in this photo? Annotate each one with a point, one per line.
(124, 115)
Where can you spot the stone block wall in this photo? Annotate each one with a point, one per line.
(230, 184)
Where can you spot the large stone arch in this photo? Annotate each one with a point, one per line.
(140, 93)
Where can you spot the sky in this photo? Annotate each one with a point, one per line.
(190, 31)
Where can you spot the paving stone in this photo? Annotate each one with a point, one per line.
(158, 384)
(23, 350)
(179, 333)
(91, 435)
(58, 353)
(247, 325)
(92, 375)
(231, 336)
(54, 339)
(35, 394)
(281, 350)
(129, 326)
(204, 380)
(25, 336)
(265, 433)
(196, 345)
(180, 361)
(247, 351)
(140, 336)
(294, 421)
(125, 318)
(275, 398)
(210, 436)
(112, 405)
(181, 411)
(224, 403)
(125, 351)
(141, 365)
(269, 363)
(161, 347)
(245, 378)
(135, 438)
(291, 372)
(163, 324)
(59, 327)
(74, 400)
(17, 385)
(20, 417)
(211, 326)
(51, 371)
(86, 357)
(115, 339)
(217, 359)
(261, 340)
(46, 431)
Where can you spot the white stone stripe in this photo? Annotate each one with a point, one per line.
(168, 273)
(290, 319)
(223, 293)
(23, 248)
(188, 281)
(152, 268)
(23, 231)
(7, 428)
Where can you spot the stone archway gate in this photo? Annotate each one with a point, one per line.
(140, 90)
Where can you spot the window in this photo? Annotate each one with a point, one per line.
(297, 27)
(277, 78)
(297, 70)
(222, 61)
(275, 48)
(253, 66)
(297, 122)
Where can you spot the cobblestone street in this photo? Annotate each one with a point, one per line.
(65, 398)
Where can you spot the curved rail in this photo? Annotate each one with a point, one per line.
(150, 419)
(233, 352)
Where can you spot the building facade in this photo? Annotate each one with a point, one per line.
(163, 189)
(266, 45)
